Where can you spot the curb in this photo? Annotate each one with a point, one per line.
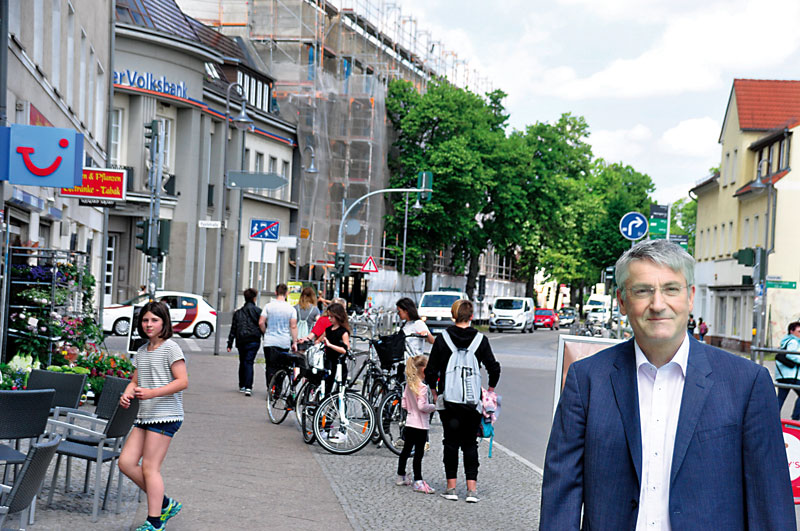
(519, 458)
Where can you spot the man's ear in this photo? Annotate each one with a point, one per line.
(621, 303)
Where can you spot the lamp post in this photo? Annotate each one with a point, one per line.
(760, 311)
(312, 168)
(241, 122)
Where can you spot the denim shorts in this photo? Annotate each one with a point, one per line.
(164, 428)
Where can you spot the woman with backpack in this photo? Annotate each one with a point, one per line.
(460, 411)
(247, 334)
(307, 311)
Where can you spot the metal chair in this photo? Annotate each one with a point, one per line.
(23, 415)
(27, 484)
(105, 447)
(69, 387)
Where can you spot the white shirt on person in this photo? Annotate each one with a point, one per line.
(415, 346)
(279, 315)
(660, 394)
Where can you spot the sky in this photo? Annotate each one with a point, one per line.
(652, 78)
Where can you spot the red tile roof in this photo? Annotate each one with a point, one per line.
(765, 104)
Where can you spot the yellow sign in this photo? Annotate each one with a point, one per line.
(304, 233)
(293, 297)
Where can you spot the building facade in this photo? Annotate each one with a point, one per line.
(732, 214)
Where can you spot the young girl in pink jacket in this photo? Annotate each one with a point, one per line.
(415, 401)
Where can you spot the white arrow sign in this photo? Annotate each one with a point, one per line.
(634, 224)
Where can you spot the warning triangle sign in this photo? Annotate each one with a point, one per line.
(369, 266)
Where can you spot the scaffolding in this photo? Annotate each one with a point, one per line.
(331, 62)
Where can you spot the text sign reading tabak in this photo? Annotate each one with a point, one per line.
(100, 183)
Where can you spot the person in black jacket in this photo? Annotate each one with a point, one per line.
(460, 422)
(244, 329)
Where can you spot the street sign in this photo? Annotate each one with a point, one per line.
(633, 226)
(209, 223)
(785, 284)
(304, 233)
(264, 229)
(255, 180)
(658, 220)
(369, 266)
(680, 239)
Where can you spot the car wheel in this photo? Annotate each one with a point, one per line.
(499, 330)
(492, 330)
(121, 326)
(203, 330)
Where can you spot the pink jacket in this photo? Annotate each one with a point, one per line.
(418, 407)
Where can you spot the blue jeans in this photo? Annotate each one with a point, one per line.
(247, 356)
(783, 393)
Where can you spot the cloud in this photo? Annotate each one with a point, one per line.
(621, 145)
(693, 53)
(695, 137)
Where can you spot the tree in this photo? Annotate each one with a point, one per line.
(683, 219)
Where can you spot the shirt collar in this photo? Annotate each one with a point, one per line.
(681, 357)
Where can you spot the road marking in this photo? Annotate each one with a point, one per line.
(519, 458)
(192, 344)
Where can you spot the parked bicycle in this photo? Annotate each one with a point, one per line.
(284, 387)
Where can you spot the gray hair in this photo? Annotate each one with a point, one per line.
(660, 252)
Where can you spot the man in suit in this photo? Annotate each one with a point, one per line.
(664, 432)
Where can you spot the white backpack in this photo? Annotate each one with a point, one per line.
(462, 378)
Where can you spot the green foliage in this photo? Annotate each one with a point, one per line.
(683, 220)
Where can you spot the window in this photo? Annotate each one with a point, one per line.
(273, 165)
(713, 250)
(259, 162)
(14, 17)
(133, 12)
(733, 167)
(82, 79)
(279, 267)
(699, 245)
(55, 44)
(784, 162)
(755, 232)
(38, 31)
(171, 300)
(166, 128)
(746, 233)
(260, 97)
(246, 162)
(285, 169)
(116, 137)
(99, 101)
(721, 307)
(70, 53)
(771, 159)
(735, 316)
(726, 170)
(721, 249)
(211, 71)
(210, 198)
(188, 302)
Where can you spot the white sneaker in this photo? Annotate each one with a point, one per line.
(472, 496)
(337, 438)
(241, 389)
(248, 392)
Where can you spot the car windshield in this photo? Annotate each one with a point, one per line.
(567, 313)
(437, 300)
(139, 299)
(598, 310)
(544, 312)
(594, 303)
(508, 304)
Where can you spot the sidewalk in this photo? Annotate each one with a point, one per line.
(233, 469)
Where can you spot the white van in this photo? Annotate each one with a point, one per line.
(434, 308)
(512, 313)
(597, 301)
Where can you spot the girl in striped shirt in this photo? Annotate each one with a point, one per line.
(158, 382)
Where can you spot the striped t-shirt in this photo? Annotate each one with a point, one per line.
(153, 370)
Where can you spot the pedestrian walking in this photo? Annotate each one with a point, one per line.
(702, 328)
(662, 431)
(247, 334)
(307, 312)
(415, 434)
(691, 325)
(158, 381)
(787, 367)
(413, 326)
(461, 418)
(278, 323)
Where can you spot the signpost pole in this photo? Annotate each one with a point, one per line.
(155, 209)
(261, 272)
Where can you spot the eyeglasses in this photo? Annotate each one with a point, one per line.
(670, 291)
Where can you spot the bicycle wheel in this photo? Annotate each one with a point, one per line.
(307, 405)
(299, 405)
(392, 421)
(377, 393)
(280, 389)
(344, 428)
(367, 382)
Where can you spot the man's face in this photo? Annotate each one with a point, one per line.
(657, 302)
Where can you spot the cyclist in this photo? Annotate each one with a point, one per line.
(278, 323)
(322, 324)
(337, 343)
(413, 326)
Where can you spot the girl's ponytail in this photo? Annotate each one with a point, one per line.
(413, 365)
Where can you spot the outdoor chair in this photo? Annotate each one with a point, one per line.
(105, 446)
(27, 484)
(23, 415)
(69, 387)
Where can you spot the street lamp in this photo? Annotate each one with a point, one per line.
(312, 168)
(241, 122)
(760, 311)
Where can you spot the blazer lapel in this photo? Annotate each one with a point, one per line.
(625, 386)
(696, 388)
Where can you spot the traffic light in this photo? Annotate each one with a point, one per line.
(142, 235)
(425, 180)
(342, 264)
(150, 133)
(746, 256)
(164, 227)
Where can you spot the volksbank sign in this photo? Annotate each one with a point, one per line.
(148, 81)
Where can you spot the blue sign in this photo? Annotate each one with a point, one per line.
(41, 156)
(633, 226)
(264, 229)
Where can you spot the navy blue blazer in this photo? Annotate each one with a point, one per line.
(729, 465)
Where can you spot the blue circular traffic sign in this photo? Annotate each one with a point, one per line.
(633, 226)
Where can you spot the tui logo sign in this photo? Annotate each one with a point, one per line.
(41, 156)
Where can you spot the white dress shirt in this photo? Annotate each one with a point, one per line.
(660, 393)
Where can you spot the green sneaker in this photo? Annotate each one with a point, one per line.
(147, 526)
(172, 509)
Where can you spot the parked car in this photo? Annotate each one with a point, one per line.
(566, 316)
(512, 313)
(597, 315)
(546, 318)
(190, 314)
(434, 308)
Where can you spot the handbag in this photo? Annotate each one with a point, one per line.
(783, 358)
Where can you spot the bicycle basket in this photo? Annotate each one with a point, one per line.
(391, 349)
(315, 356)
